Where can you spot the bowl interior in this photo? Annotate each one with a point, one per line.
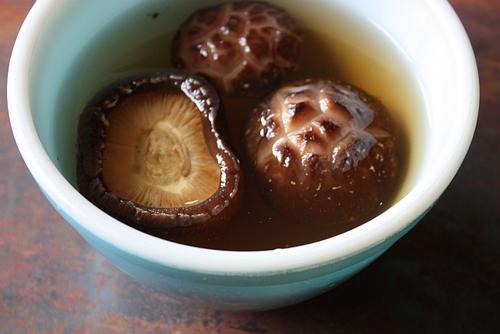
(75, 60)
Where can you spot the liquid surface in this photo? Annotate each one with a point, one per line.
(257, 225)
(349, 48)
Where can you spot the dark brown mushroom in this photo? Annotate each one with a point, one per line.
(151, 153)
(243, 47)
(324, 150)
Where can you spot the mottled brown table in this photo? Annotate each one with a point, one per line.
(443, 277)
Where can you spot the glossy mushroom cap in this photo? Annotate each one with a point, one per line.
(243, 47)
(324, 150)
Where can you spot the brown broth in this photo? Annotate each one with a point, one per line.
(258, 226)
(337, 44)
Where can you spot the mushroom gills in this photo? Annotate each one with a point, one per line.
(156, 153)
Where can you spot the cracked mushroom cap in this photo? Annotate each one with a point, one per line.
(244, 48)
(324, 150)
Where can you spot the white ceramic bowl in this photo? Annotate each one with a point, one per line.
(427, 31)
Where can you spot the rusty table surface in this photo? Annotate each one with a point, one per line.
(443, 277)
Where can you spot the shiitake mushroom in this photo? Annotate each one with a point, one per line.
(324, 150)
(242, 47)
(151, 153)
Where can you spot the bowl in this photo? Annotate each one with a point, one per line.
(54, 37)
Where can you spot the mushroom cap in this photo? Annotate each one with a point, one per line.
(92, 139)
(242, 47)
(324, 150)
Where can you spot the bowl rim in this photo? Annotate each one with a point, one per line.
(86, 216)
